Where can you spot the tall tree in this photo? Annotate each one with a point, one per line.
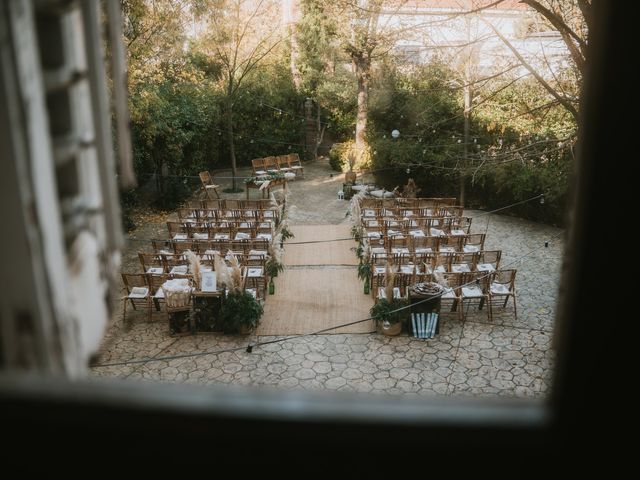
(317, 41)
(241, 34)
(571, 20)
(360, 45)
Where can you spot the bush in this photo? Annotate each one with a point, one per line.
(173, 192)
(128, 201)
(343, 157)
(335, 158)
(239, 311)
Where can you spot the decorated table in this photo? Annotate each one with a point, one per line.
(265, 183)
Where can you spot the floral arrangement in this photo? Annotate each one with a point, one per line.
(264, 178)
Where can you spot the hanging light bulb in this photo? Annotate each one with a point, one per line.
(541, 199)
(408, 170)
(384, 136)
(424, 151)
(475, 140)
(459, 140)
(395, 133)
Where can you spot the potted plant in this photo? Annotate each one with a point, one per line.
(240, 312)
(386, 317)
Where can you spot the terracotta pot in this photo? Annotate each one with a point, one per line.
(391, 329)
(350, 177)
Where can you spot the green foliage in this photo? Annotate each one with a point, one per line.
(343, 157)
(128, 201)
(240, 310)
(272, 267)
(286, 233)
(384, 311)
(364, 270)
(514, 157)
(264, 178)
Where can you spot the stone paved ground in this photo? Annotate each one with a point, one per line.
(506, 357)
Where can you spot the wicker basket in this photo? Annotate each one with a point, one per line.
(177, 294)
(177, 299)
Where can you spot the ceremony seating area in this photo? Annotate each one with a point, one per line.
(429, 239)
(243, 229)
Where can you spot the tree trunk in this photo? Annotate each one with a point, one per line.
(466, 140)
(232, 147)
(362, 74)
(319, 132)
(295, 55)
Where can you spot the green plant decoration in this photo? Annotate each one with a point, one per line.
(240, 311)
(272, 267)
(364, 270)
(384, 310)
(286, 233)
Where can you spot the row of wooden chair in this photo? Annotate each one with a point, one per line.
(230, 204)
(430, 262)
(492, 290)
(433, 226)
(279, 163)
(214, 214)
(400, 202)
(457, 243)
(144, 291)
(401, 213)
(180, 231)
(178, 263)
(201, 246)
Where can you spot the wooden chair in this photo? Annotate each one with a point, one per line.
(282, 163)
(177, 231)
(151, 263)
(137, 293)
(294, 163)
(450, 242)
(157, 294)
(207, 184)
(425, 244)
(452, 292)
(475, 288)
(473, 242)
(464, 262)
(488, 260)
(270, 164)
(257, 164)
(502, 286)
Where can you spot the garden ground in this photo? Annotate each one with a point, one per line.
(505, 357)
